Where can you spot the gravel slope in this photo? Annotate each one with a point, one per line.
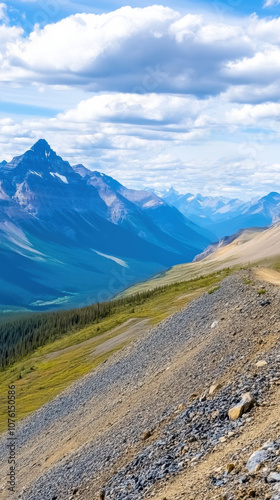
(91, 437)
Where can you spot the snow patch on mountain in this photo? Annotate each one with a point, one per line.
(111, 257)
(55, 302)
(150, 204)
(61, 177)
(17, 238)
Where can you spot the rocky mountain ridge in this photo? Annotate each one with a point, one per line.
(224, 216)
(71, 237)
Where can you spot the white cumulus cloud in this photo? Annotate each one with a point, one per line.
(149, 90)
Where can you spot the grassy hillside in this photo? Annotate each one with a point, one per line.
(50, 368)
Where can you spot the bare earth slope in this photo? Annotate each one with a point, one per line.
(250, 247)
(93, 437)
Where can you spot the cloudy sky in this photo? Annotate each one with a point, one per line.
(184, 93)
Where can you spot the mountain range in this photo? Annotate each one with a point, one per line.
(70, 236)
(224, 216)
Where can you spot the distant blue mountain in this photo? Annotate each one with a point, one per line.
(225, 216)
(70, 236)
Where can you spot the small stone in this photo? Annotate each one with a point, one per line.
(261, 364)
(230, 467)
(203, 396)
(102, 495)
(194, 395)
(215, 414)
(214, 388)
(252, 493)
(243, 479)
(274, 477)
(214, 324)
(181, 407)
(246, 403)
(223, 439)
(147, 434)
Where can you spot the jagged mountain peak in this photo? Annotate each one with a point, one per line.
(41, 146)
(272, 196)
(43, 152)
(40, 160)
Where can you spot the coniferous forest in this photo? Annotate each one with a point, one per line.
(21, 335)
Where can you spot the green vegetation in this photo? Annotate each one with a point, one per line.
(214, 289)
(73, 350)
(276, 265)
(248, 282)
(261, 292)
(23, 335)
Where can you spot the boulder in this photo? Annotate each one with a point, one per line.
(246, 403)
(260, 456)
(256, 459)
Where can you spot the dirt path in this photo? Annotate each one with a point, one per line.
(128, 333)
(109, 340)
(268, 275)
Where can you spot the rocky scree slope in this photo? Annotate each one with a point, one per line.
(145, 419)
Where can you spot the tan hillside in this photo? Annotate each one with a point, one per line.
(250, 248)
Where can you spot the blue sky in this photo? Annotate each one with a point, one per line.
(183, 93)
(55, 10)
(28, 13)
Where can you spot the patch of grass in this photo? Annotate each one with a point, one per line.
(36, 388)
(214, 290)
(261, 292)
(248, 282)
(50, 369)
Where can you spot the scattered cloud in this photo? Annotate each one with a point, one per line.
(3, 14)
(197, 145)
(147, 90)
(271, 3)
